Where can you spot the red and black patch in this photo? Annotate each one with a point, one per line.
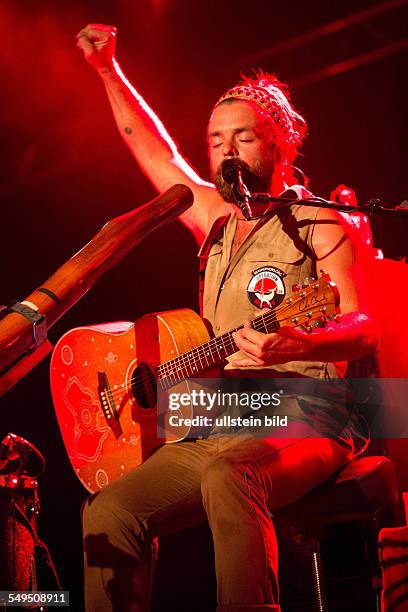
(266, 288)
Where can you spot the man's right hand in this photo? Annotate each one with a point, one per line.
(98, 42)
(145, 134)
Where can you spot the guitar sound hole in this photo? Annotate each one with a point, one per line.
(144, 386)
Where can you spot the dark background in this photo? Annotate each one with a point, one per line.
(65, 170)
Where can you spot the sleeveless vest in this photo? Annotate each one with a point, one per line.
(274, 257)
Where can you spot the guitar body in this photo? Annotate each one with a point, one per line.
(111, 382)
(105, 405)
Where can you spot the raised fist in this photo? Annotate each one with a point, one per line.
(98, 42)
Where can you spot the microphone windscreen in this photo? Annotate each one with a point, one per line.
(231, 167)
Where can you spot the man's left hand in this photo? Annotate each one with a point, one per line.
(287, 344)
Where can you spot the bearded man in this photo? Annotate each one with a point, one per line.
(232, 481)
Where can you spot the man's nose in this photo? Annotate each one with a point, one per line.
(229, 149)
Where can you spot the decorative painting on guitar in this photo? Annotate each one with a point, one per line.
(105, 378)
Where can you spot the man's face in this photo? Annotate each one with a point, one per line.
(239, 130)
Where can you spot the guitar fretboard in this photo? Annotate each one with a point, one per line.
(208, 355)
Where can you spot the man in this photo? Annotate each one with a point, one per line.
(232, 481)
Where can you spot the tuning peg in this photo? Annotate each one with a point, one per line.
(296, 288)
(308, 280)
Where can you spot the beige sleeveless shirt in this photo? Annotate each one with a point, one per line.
(276, 255)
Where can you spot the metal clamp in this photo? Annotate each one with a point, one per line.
(30, 312)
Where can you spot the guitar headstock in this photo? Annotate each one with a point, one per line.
(311, 305)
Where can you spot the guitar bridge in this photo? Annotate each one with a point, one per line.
(108, 404)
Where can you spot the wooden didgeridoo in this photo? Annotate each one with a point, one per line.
(70, 282)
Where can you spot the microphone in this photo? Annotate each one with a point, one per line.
(232, 171)
(15, 449)
(7, 451)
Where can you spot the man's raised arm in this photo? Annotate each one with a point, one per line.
(145, 134)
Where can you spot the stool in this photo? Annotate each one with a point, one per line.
(364, 490)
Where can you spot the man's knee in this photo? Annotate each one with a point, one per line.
(111, 533)
(98, 511)
(224, 472)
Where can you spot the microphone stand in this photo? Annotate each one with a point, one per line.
(243, 196)
(253, 204)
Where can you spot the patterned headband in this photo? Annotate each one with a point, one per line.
(290, 126)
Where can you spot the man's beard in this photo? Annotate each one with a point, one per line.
(257, 179)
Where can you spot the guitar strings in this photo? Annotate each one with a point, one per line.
(220, 343)
(166, 376)
(166, 367)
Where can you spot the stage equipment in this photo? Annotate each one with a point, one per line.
(20, 547)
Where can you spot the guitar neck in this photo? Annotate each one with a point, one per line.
(310, 306)
(211, 354)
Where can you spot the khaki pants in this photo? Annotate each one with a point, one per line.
(233, 482)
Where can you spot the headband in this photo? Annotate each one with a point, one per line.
(290, 126)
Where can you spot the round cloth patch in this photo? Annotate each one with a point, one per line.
(266, 288)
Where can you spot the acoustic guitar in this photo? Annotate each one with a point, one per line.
(110, 382)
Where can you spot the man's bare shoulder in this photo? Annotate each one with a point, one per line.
(333, 226)
(208, 205)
